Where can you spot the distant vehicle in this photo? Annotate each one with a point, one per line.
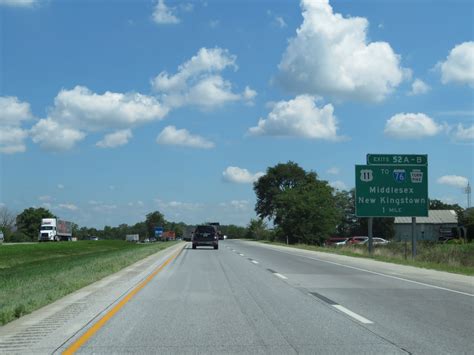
(357, 240)
(147, 240)
(217, 225)
(205, 235)
(152, 239)
(93, 238)
(2, 237)
(376, 241)
(168, 235)
(55, 229)
(134, 238)
(448, 240)
(336, 241)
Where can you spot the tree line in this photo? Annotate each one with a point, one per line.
(299, 207)
(25, 227)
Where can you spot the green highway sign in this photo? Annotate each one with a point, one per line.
(397, 159)
(391, 191)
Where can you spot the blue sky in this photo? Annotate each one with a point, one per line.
(113, 109)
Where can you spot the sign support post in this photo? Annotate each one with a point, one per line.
(370, 235)
(413, 237)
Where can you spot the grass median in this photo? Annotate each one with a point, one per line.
(34, 275)
(454, 258)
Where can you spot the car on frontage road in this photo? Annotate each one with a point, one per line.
(336, 241)
(376, 241)
(357, 240)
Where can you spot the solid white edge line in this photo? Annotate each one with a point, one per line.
(352, 314)
(280, 276)
(377, 273)
(255, 261)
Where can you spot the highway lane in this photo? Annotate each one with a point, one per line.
(208, 301)
(417, 317)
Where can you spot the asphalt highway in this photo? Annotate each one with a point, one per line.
(248, 298)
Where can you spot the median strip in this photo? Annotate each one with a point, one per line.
(102, 321)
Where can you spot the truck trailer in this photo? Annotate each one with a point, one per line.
(55, 230)
(134, 238)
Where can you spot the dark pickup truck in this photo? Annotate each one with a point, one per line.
(205, 235)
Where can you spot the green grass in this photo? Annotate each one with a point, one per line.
(454, 258)
(35, 275)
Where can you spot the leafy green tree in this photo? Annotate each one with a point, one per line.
(234, 232)
(348, 224)
(257, 229)
(29, 221)
(301, 206)
(307, 213)
(154, 219)
(7, 221)
(277, 179)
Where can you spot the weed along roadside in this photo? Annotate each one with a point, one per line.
(34, 275)
(454, 258)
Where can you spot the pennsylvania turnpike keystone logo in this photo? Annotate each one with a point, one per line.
(416, 176)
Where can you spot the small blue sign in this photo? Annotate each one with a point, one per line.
(158, 231)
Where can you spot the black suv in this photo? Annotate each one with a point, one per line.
(205, 235)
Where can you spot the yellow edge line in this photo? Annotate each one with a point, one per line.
(92, 330)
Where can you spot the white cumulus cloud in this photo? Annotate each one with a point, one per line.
(300, 117)
(463, 134)
(411, 125)
(13, 113)
(163, 15)
(12, 140)
(80, 111)
(338, 185)
(419, 87)
(115, 139)
(68, 206)
(331, 56)
(50, 135)
(334, 171)
(458, 67)
(182, 137)
(453, 180)
(241, 205)
(241, 176)
(84, 109)
(19, 3)
(198, 81)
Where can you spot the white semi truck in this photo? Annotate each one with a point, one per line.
(55, 229)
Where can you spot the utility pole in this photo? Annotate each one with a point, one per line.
(467, 190)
